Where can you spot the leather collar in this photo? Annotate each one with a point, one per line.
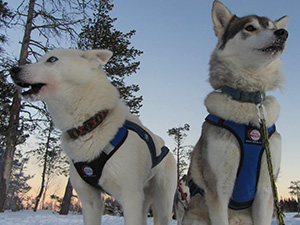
(88, 125)
(244, 96)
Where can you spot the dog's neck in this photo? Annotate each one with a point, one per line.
(225, 107)
(265, 78)
(96, 140)
(79, 104)
(243, 96)
(88, 125)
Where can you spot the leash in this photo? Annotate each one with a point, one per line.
(261, 116)
(182, 193)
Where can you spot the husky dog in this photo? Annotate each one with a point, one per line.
(97, 126)
(243, 67)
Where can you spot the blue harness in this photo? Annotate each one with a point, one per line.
(252, 148)
(91, 172)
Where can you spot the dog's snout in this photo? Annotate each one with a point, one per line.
(15, 70)
(14, 73)
(281, 33)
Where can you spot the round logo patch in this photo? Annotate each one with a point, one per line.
(87, 170)
(254, 134)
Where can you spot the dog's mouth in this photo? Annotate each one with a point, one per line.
(272, 49)
(30, 89)
(275, 47)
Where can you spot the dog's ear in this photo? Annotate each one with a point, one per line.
(282, 22)
(220, 17)
(98, 55)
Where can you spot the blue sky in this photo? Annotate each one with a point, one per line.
(177, 39)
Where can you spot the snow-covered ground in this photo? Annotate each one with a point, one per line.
(44, 217)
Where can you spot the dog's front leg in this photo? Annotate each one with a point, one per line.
(217, 209)
(90, 198)
(263, 205)
(262, 208)
(220, 152)
(132, 203)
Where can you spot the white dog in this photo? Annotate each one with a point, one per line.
(97, 128)
(228, 161)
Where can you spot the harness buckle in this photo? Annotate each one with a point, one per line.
(261, 112)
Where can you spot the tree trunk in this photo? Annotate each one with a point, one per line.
(45, 188)
(178, 163)
(178, 152)
(12, 131)
(38, 197)
(11, 139)
(65, 205)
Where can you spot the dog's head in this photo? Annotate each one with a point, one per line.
(60, 71)
(246, 45)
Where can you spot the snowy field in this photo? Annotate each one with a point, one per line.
(44, 217)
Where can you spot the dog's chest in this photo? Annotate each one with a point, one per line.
(251, 150)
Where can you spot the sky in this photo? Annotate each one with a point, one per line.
(177, 39)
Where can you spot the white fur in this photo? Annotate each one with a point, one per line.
(76, 89)
(237, 63)
(223, 106)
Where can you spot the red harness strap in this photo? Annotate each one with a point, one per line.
(182, 193)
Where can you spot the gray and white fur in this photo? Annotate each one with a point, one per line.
(246, 58)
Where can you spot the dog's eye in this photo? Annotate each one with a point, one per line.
(52, 59)
(250, 28)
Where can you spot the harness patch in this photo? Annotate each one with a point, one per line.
(253, 136)
(88, 171)
(91, 172)
(252, 148)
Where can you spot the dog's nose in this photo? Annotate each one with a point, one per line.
(14, 73)
(15, 70)
(281, 33)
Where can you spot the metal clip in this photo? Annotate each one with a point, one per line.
(261, 112)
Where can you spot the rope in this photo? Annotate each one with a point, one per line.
(182, 193)
(261, 115)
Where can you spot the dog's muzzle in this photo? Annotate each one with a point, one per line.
(34, 88)
(278, 44)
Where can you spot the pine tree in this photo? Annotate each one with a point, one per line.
(18, 186)
(182, 152)
(5, 15)
(6, 94)
(49, 154)
(99, 32)
(295, 190)
(46, 19)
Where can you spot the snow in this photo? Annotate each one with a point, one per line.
(45, 217)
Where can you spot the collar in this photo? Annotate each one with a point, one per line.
(244, 96)
(88, 125)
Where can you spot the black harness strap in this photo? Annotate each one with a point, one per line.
(149, 141)
(91, 171)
